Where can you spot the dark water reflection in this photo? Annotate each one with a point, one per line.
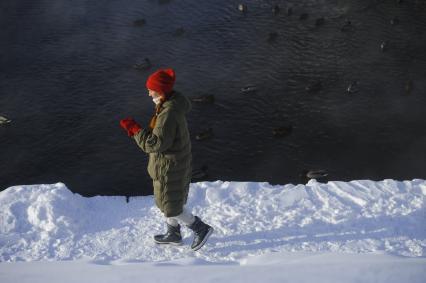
(66, 78)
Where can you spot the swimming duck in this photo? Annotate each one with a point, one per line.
(272, 36)
(351, 87)
(383, 46)
(315, 174)
(248, 89)
(282, 131)
(203, 98)
(4, 120)
(319, 22)
(179, 31)
(139, 23)
(304, 16)
(346, 26)
(408, 87)
(199, 174)
(314, 86)
(144, 65)
(204, 135)
(242, 8)
(394, 21)
(275, 10)
(319, 175)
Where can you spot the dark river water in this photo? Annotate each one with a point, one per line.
(67, 78)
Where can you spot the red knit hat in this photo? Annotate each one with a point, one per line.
(161, 81)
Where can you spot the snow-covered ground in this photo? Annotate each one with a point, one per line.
(359, 231)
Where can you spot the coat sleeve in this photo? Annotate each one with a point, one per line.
(160, 138)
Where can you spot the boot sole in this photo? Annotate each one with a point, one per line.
(169, 243)
(196, 248)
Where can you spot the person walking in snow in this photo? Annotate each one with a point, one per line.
(168, 144)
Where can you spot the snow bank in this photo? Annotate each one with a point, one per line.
(271, 268)
(49, 222)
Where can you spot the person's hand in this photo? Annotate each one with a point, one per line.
(130, 126)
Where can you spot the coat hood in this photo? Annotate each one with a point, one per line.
(178, 102)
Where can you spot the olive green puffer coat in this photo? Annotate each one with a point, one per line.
(169, 148)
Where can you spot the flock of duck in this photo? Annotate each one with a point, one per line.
(316, 86)
(283, 131)
(312, 87)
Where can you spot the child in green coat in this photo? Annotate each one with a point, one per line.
(167, 141)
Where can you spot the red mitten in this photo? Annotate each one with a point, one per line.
(130, 126)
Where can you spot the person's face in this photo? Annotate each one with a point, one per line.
(156, 97)
(153, 93)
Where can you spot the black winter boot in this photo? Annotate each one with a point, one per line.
(172, 236)
(202, 232)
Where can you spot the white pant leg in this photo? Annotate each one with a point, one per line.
(185, 217)
(172, 221)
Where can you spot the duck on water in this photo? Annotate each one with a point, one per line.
(4, 120)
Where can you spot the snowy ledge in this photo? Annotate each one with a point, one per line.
(49, 222)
